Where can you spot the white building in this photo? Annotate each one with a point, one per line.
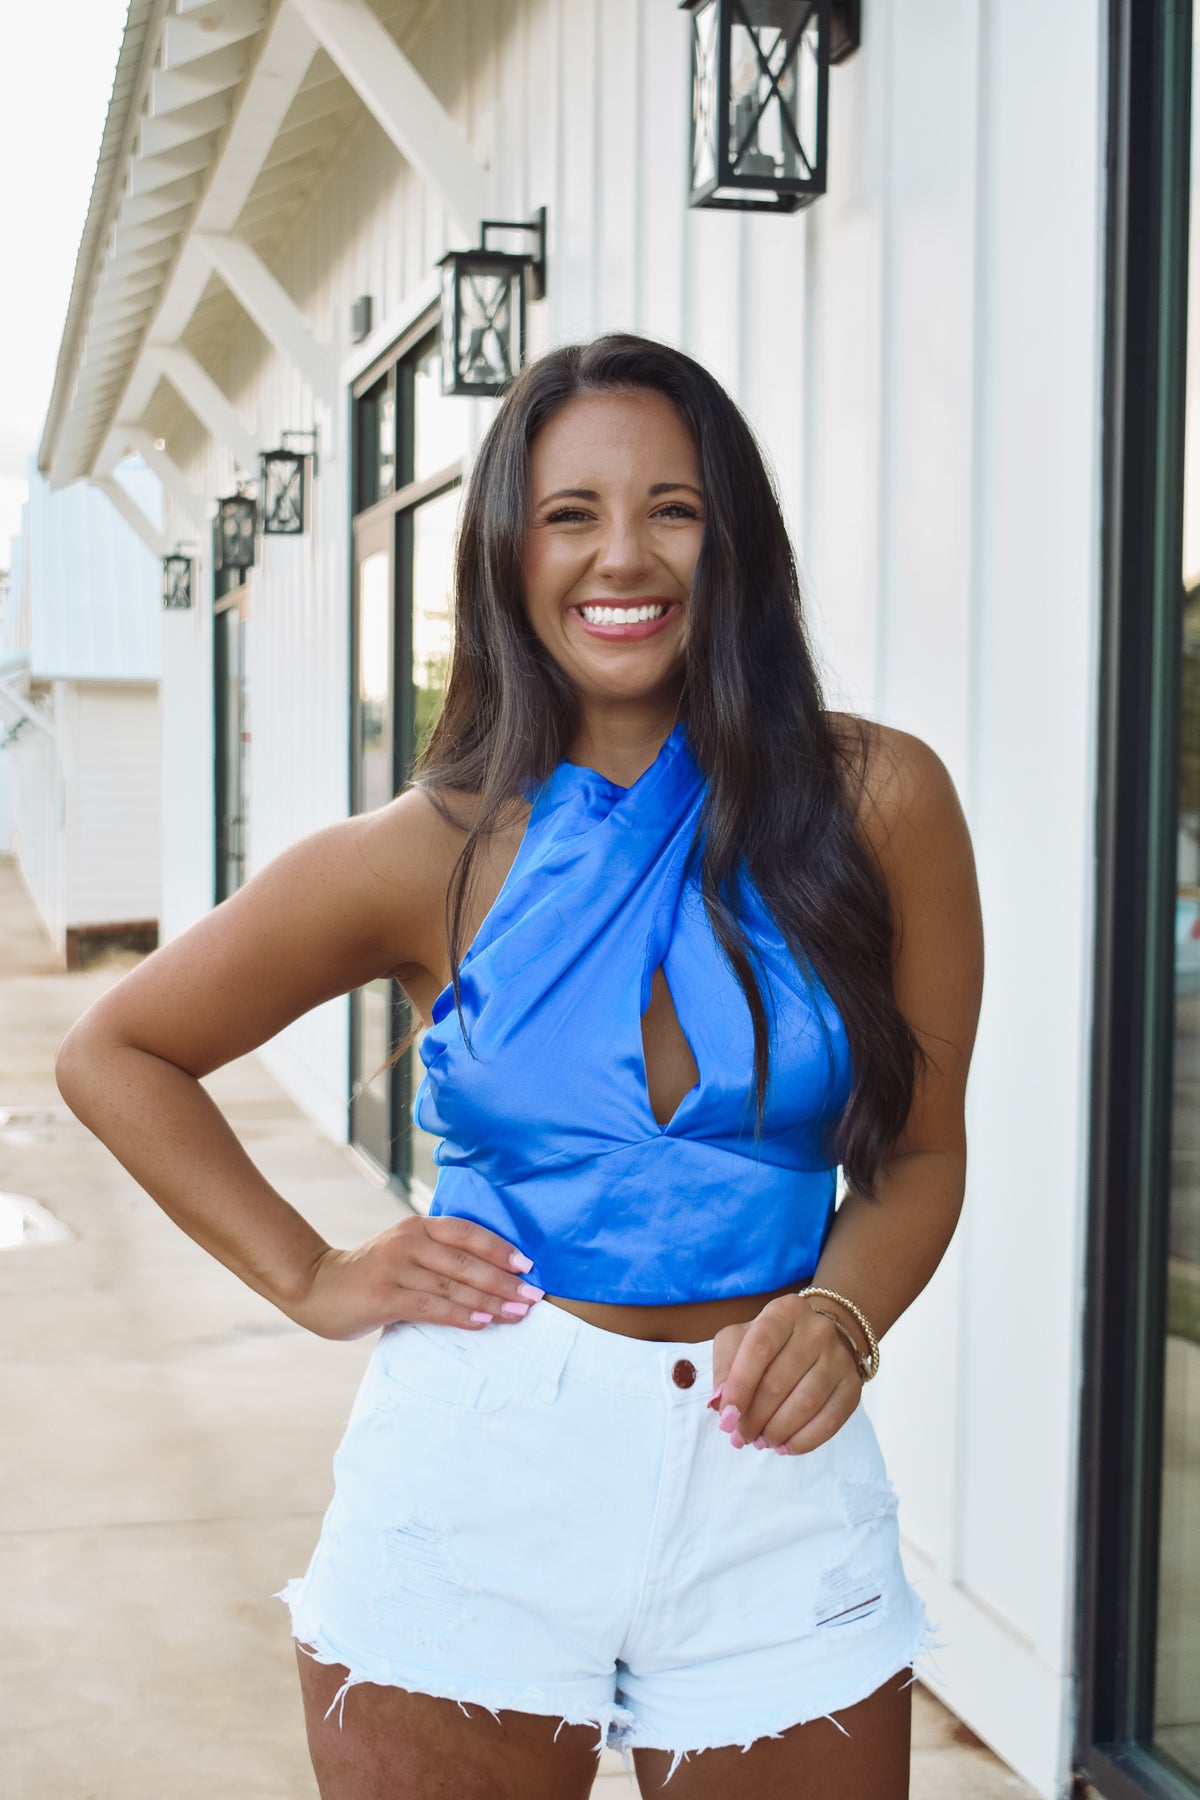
(79, 665)
(968, 363)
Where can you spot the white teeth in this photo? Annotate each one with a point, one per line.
(621, 615)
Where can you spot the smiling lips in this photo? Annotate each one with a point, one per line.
(629, 619)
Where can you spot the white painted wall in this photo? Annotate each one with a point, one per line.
(86, 807)
(920, 354)
(37, 826)
(110, 745)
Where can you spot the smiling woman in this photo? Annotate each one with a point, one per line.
(611, 555)
(684, 942)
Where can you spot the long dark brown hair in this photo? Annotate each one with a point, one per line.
(782, 785)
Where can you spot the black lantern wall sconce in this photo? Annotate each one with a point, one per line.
(237, 530)
(760, 98)
(177, 578)
(285, 485)
(484, 294)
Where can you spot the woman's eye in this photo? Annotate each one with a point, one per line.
(677, 509)
(566, 515)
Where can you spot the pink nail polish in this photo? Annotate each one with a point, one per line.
(516, 1308)
(715, 1396)
(481, 1318)
(729, 1418)
(760, 1442)
(737, 1440)
(782, 1450)
(517, 1260)
(529, 1291)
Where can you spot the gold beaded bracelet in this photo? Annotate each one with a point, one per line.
(868, 1366)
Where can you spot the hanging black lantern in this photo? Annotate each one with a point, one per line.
(237, 531)
(285, 486)
(177, 581)
(483, 309)
(760, 99)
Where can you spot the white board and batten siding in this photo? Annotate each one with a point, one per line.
(920, 355)
(86, 796)
(109, 742)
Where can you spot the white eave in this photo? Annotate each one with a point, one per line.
(224, 118)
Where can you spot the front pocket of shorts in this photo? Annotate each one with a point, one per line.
(434, 1361)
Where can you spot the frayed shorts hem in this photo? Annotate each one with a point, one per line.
(619, 1728)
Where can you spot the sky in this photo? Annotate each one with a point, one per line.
(58, 59)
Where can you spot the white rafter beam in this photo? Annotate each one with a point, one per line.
(196, 387)
(273, 310)
(401, 103)
(184, 126)
(183, 494)
(199, 80)
(210, 26)
(154, 539)
(282, 64)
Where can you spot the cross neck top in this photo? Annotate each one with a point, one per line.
(547, 1133)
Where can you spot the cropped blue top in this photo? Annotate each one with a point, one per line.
(547, 1134)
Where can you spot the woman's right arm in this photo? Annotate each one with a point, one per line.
(358, 900)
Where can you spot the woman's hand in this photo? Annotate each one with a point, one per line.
(787, 1378)
(441, 1270)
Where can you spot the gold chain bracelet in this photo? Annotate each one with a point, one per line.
(868, 1366)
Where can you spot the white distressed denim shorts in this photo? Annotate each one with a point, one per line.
(546, 1517)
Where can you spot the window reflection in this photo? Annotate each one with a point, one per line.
(374, 680)
(439, 425)
(433, 552)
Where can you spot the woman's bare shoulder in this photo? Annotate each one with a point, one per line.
(899, 786)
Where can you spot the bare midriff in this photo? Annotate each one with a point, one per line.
(691, 1322)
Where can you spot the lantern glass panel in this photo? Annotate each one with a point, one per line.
(236, 531)
(177, 583)
(772, 122)
(488, 351)
(449, 318)
(283, 494)
(706, 43)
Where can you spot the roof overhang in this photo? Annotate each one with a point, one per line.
(223, 117)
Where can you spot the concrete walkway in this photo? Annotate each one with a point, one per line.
(167, 1445)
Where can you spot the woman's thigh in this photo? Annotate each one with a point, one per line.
(396, 1745)
(815, 1760)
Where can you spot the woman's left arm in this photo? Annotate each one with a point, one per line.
(791, 1367)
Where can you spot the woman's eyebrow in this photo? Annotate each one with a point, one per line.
(659, 487)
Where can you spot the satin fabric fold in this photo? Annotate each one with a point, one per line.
(547, 1134)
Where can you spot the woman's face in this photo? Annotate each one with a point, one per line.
(616, 520)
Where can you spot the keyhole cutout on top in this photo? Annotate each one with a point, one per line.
(671, 1070)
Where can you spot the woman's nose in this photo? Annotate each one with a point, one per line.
(622, 554)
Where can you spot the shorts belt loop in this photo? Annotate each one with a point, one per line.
(554, 1354)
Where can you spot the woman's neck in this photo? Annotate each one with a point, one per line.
(621, 744)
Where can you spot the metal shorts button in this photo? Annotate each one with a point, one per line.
(683, 1373)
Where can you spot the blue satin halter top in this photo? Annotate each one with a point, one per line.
(547, 1134)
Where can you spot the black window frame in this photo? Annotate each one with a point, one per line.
(1125, 1321)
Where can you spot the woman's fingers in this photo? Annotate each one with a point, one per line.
(468, 1269)
(790, 1380)
(444, 1271)
(817, 1430)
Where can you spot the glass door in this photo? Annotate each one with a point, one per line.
(409, 444)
